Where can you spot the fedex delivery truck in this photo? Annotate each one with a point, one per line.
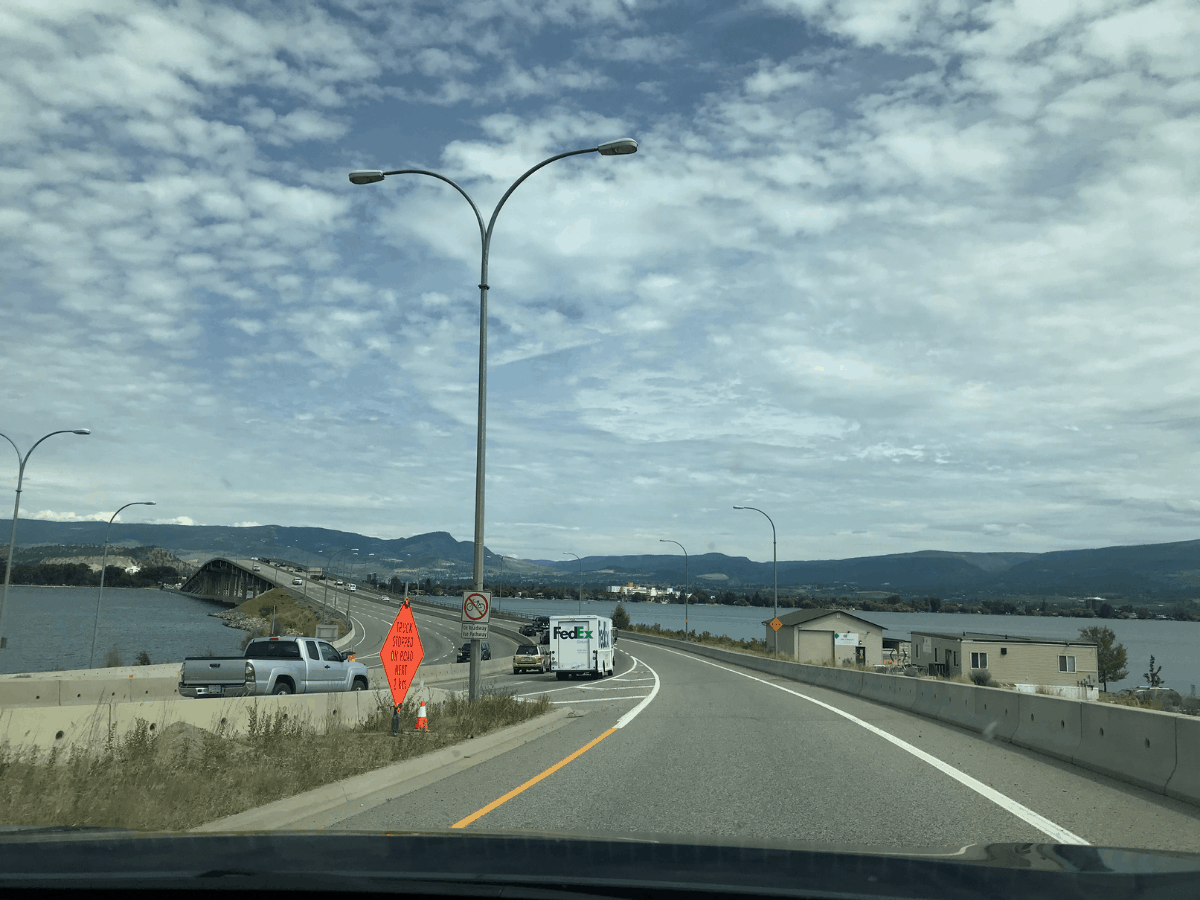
(581, 645)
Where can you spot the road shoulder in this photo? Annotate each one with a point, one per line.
(325, 806)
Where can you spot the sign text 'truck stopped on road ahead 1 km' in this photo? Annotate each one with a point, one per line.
(401, 653)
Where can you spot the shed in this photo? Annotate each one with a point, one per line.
(823, 636)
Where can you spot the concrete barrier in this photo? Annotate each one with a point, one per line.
(997, 710)
(29, 692)
(878, 688)
(1133, 745)
(54, 728)
(1185, 783)
(927, 700)
(1049, 725)
(958, 706)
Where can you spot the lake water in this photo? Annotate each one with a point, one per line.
(51, 627)
(1175, 645)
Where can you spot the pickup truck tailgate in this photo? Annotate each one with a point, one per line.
(213, 670)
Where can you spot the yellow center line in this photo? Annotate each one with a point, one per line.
(463, 823)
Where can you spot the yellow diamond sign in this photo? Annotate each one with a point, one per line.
(775, 623)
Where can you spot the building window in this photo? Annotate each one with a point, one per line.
(935, 650)
(978, 660)
(956, 657)
(1066, 664)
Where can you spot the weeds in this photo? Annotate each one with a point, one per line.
(184, 776)
(982, 677)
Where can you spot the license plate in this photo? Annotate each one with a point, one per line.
(214, 689)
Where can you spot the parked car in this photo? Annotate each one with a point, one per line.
(464, 652)
(275, 665)
(531, 657)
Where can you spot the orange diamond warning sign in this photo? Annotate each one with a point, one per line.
(401, 653)
(775, 623)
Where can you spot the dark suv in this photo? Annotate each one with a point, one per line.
(464, 652)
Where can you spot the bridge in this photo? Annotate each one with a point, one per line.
(228, 581)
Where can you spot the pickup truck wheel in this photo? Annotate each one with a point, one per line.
(359, 685)
(282, 688)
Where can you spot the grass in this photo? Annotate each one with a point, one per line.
(290, 614)
(185, 776)
(708, 640)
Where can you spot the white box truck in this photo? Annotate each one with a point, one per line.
(581, 645)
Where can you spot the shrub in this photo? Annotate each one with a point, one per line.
(143, 658)
(112, 658)
(982, 677)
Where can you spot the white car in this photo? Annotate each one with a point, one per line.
(352, 587)
(297, 581)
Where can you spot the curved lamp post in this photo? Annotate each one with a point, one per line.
(774, 568)
(685, 583)
(622, 147)
(16, 508)
(579, 605)
(329, 564)
(104, 569)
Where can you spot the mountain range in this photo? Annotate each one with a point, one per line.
(1159, 571)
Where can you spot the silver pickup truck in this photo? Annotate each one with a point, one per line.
(275, 665)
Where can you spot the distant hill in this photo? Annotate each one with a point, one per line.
(1162, 571)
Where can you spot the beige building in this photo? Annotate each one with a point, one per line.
(1026, 662)
(823, 636)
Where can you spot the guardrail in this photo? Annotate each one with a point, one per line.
(1153, 750)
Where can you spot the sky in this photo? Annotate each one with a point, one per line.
(903, 274)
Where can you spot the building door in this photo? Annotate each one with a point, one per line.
(860, 655)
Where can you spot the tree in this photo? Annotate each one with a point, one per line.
(935, 604)
(620, 618)
(1152, 677)
(1110, 656)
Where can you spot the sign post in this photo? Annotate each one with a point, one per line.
(474, 625)
(401, 653)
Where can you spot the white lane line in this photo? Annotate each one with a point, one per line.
(1040, 822)
(602, 699)
(633, 713)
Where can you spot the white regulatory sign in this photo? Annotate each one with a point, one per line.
(470, 632)
(476, 608)
(844, 639)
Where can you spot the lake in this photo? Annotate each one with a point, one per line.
(51, 627)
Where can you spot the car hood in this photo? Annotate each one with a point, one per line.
(574, 865)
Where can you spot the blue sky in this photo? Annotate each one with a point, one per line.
(904, 274)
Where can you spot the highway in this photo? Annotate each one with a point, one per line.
(678, 744)
(721, 751)
(372, 619)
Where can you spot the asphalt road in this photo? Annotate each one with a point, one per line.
(725, 752)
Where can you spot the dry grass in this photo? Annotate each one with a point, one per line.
(291, 616)
(185, 777)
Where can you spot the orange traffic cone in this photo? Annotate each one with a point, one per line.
(422, 722)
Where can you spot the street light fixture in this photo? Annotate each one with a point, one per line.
(579, 606)
(104, 570)
(16, 508)
(685, 583)
(774, 569)
(622, 147)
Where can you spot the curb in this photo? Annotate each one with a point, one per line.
(325, 806)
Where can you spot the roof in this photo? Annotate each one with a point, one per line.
(800, 616)
(981, 638)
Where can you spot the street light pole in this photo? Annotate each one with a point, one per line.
(685, 583)
(325, 600)
(774, 569)
(12, 540)
(622, 147)
(104, 569)
(579, 606)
